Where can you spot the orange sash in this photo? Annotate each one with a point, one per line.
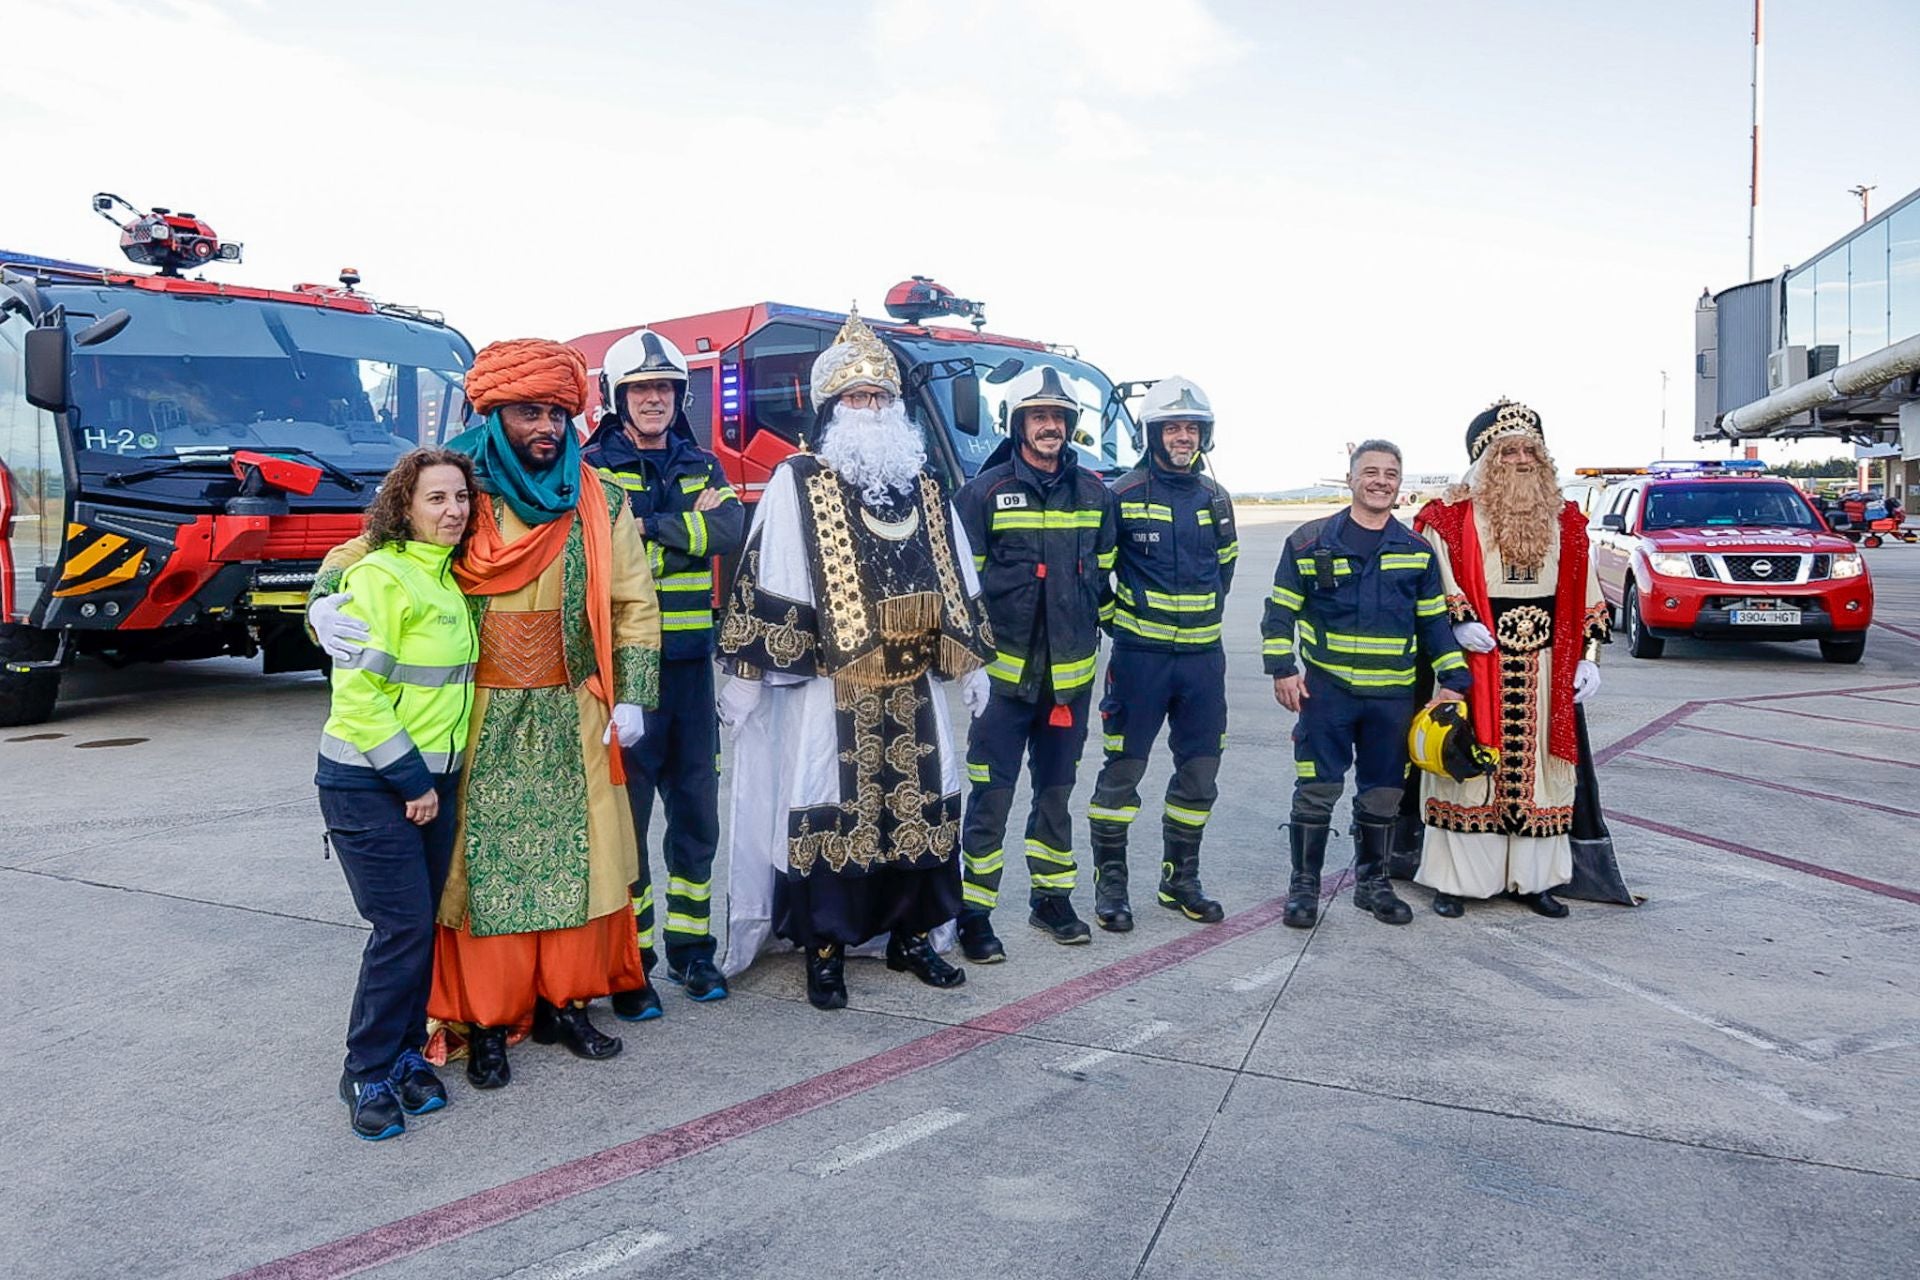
(492, 566)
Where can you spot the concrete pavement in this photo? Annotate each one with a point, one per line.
(1719, 1082)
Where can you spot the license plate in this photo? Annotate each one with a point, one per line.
(1767, 617)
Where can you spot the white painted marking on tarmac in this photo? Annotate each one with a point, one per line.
(594, 1257)
(1132, 1038)
(882, 1142)
(1265, 976)
(1620, 982)
(1775, 1094)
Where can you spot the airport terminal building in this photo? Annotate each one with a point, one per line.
(1830, 347)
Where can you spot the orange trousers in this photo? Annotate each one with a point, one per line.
(492, 982)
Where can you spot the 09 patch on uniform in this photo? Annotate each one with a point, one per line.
(1008, 501)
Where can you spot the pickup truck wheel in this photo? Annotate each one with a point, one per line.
(1843, 649)
(27, 697)
(1639, 643)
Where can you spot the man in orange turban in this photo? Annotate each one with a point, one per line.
(534, 919)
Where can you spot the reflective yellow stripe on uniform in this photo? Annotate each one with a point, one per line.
(692, 484)
(1006, 667)
(1146, 511)
(975, 895)
(1365, 677)
(1047, 853)
(984, 864)
(1431, 607)
(978, 773)
(1389, 646)
(1181, 604)
(696, 532)
(677, 923)
(1341, 566)
(1046, 520)
(685, 619)
(1405, 559)
(1187, 817)
(1446, 662)
(1229, 553)
(1106, 559)
(1114, 741)
(631, 483)
(698, 890)
(698, 580)
(1150, 630)
(1287, 599)
(1071, 675)
(1276, 647)
(1100, 813)
(1303, 769)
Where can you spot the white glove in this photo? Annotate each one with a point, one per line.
(975, 691)
(341, 635)
(628, 723)
(1473, 637)
(1586, 680)
(737, 701)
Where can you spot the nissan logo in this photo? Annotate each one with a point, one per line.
(1762, 568)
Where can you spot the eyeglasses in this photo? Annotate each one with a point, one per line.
(864, 398)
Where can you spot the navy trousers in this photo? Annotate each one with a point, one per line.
(1006, 731)
(1339, 730)
(395, 870)
(1187, 694)
(680, 759)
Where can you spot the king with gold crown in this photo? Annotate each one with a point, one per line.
(855, 597)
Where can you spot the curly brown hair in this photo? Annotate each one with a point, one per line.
(387, 517)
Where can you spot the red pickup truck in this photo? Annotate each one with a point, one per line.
(1722, 551)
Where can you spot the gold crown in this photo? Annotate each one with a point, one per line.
(857, 357)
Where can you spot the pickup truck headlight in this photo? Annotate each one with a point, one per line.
(1848, 564)
(1671, 566)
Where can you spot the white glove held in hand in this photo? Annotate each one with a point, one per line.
(628, 723)
(975, 691)
(1586, 680)
(737, 701)
(341, 635)
(1473, 637)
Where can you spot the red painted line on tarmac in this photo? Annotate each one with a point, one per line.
(1742, 699)
(1858, 724)
(1899, 631)
(1652, 729)
(1867, 697)
(458, 1219)
(1770, 785)
(1761, 855)
(1800, 746)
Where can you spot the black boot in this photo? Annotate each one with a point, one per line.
(1307, 842)
(376, 1111)
(911, 952)
(977, 940)
(569, 1026)
(637, 1006)
(701, 978)
(827, 977)
(1110, 906)
(1372, 891)
(1180, 880)
(1450, 905)
(1053, 914)
(1542, 903)
(487, 1058)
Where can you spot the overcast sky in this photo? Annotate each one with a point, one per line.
(1341, 220)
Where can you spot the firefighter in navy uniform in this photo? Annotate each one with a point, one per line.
(687, 514)
(1361, 594)
(1176, 555)
(1042, 530)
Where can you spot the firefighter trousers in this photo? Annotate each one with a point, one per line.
(999, 736)
(679, 757)
(1187, 693)
(1340, 730)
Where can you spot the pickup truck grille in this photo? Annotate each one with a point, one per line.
(1766, 568)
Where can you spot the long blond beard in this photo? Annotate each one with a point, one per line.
(1521, 509)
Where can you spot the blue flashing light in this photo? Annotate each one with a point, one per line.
(1708, 467)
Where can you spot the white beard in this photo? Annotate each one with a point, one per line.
(877, 451)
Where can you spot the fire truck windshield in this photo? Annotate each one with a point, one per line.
(973, 403)
(192, 377)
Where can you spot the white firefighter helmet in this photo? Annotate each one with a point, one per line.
(641, 356)
(1037, 387)
(1176, 400)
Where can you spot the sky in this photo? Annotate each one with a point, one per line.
(1342, 221)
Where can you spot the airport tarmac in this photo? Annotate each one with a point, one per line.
(1723, 1081)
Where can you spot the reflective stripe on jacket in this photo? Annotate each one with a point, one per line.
(1042, 549)
(401, 706)
(662, 486)
(1177, 551)
(1363, 621)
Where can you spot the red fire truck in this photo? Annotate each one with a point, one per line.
(749, 371)
(176, 455)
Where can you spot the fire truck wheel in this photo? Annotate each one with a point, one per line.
(1843, 649)
(1640, 643)
(27, 697)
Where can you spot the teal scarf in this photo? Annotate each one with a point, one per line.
(535, 496)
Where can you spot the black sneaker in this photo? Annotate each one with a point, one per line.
(376, 1111)
(977, 940)
(1054, 915)
(702, 979)
(637, 1006)
(415, 1084)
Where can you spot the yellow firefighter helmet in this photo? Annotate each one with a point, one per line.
(1442, 742)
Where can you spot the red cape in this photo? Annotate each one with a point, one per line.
(1453, 523)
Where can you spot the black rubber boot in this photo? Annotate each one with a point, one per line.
(1110, 906)
(1180, 881)
(637, 1006)
(913, 953)
(487, 1066)
(827, 977)
(1543, 903)
(1054, 916)
(977, 940)
(1449, 905)
(569, 1025)
(1307, 842)
(1372, 891)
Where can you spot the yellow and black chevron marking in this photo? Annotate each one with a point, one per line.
(95, 561)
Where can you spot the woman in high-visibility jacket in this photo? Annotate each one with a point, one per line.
(389, 773)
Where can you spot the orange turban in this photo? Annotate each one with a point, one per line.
(528, 371)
